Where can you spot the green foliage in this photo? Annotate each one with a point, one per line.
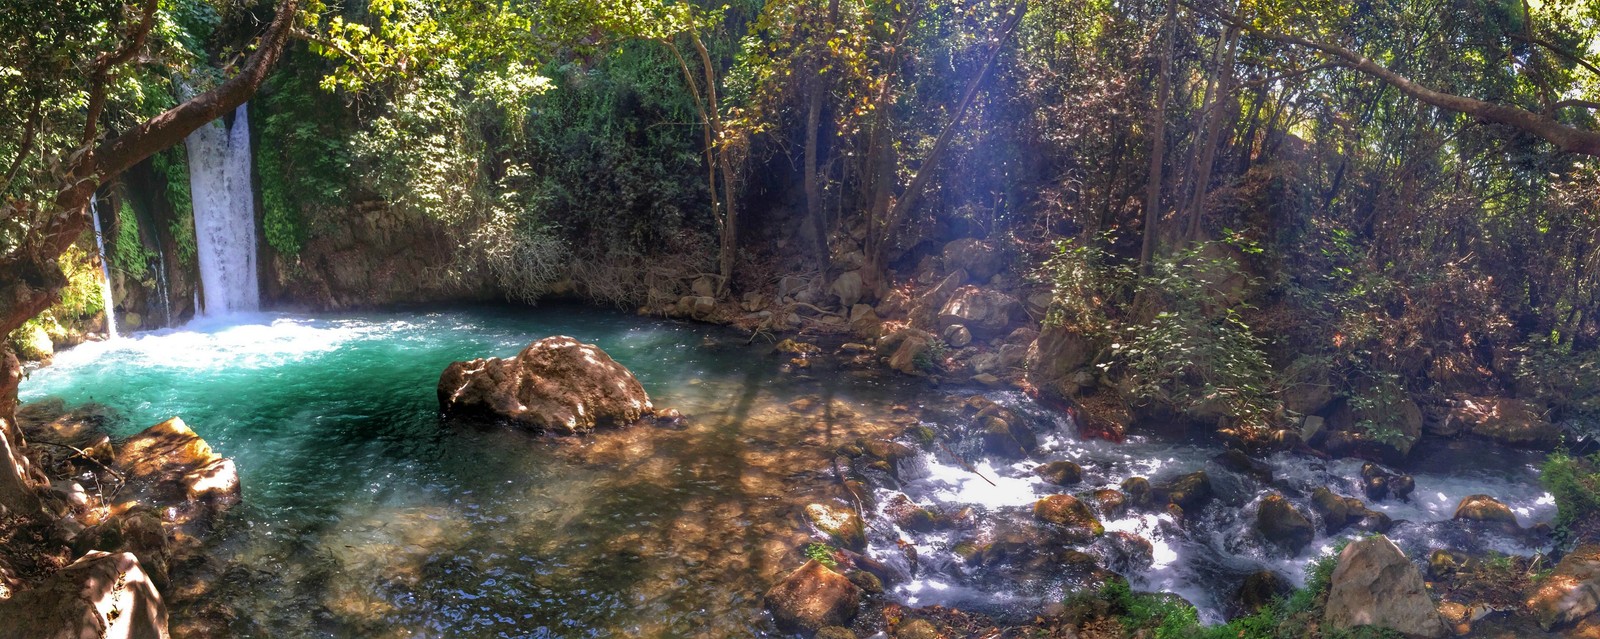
(126, 250)
(1194, 349)
(822, 553)
(303, 158)
(172, 169)
(611, 156)
(932, 360)
(1169, 617)
(1575, 484)
(1084, 280)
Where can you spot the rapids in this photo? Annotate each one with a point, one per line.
(362, 516)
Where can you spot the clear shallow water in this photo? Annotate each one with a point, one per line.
(363, 516)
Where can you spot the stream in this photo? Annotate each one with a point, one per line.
(363, 516)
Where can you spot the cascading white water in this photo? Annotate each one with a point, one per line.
(224, 215)
(105, 269)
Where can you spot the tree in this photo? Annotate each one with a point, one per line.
(1278, 24)
(76, 53)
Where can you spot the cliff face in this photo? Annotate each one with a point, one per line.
(371, 256)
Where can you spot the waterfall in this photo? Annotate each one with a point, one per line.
(224, 215)
(162, 288)
(105, 269)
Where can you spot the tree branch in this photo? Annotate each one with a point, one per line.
(1566, 137)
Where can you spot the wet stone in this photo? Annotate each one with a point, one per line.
(1059, 473)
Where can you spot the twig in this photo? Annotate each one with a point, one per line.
(967, 466)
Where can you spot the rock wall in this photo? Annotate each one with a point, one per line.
(370, 256)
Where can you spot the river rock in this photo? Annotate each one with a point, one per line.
(99, 596)
(907, 514)
(1374, 584)
(1138, 491)
(556, 384)
(848, 288)
(840, 523)
(1109, 502)
(1055, 357)
(812, 597)
(1483, 508)
(1066, 511)
(925, 312)
(1060, 473)
(1336, 511)
(985, 312)
(1503, 420)
(1188, 492)
(1259, 589)
(979, 258)
(957, 335)
(1129, 553)
(906, 357)
(170, 467)
(1351, 438)
(1280, 523)
(1571, 592)
(1005, 438)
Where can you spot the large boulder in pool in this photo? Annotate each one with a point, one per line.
(99, 595)
(1375, 585)
(556, 384)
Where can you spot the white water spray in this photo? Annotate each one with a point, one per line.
(105, 269)
(224, 215)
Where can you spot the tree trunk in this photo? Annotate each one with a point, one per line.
(902, 206)
(1158, 144)
(813, 189)
(1220, 116)
(30, 278)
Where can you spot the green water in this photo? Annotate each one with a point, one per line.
(364, 516)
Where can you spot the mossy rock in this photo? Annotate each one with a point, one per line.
(1281, 524)
(1060, 473)
(1066, 511)
(835, 632)
(1138, 491)
(1486, 509)
(1190, 491)
(917, 629)
(840, 523)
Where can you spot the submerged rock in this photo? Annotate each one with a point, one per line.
(1282, 525)
(101, 595)
(917, 629)
(170, 467)
(1572, 591)
(556, 384)
(812, 597)
(1375, 585)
